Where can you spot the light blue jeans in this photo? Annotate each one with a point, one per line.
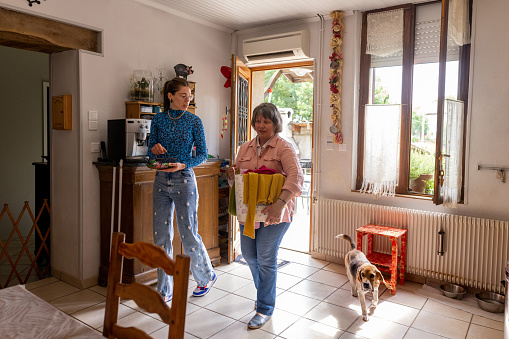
(178, 189)
(261, 256)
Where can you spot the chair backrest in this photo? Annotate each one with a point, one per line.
(145, 297)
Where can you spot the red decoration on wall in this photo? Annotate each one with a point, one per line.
(227, 72)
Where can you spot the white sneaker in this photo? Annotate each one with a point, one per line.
(201, 291)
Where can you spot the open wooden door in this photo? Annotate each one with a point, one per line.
(240, 132)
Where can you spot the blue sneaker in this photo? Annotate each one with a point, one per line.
(167, 298)
(201, 291)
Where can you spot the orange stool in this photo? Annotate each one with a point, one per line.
(382, 259)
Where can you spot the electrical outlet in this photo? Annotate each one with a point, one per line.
(95, 147)
(329, 143)
(92, 125)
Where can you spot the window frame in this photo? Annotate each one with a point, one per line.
(406, 97)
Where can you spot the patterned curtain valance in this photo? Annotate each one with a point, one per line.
(385, 33)
(459, 25)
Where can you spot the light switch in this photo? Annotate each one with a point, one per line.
(92, 115)
(95, 147)
(92, 125)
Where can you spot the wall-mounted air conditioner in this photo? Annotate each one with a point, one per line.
(276, 48)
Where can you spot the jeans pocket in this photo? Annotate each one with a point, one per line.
(186, 174)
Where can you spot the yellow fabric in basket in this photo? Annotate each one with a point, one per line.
(259, 188)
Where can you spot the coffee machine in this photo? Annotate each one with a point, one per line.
(128, 139)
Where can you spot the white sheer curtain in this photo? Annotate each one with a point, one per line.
(452, 151)
(459, 26)
(385, 33)
(381, 149)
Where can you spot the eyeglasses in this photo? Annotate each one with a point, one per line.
(185, 96)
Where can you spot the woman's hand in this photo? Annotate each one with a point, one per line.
(275, 212)
(231, 172)
(176, 166)
(158, 149)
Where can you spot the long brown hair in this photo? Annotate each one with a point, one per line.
(172, 86)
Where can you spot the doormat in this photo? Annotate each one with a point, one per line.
(280, 263)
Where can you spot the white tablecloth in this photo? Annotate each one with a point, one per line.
(24, 315)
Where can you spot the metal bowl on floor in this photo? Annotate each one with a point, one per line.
(453, 291)
(491, 302)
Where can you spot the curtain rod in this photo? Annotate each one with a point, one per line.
(480, 167)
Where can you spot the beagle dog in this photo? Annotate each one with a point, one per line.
(364, 276)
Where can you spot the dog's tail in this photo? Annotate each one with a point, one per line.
(347, 238)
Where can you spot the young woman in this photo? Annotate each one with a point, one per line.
(173, 133)
(271, 150)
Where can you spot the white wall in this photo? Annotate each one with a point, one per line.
(488, 136)
(135, 36)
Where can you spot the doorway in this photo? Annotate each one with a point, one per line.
(25, 175)
(290, 88)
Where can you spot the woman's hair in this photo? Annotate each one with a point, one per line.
(269, 111)
(172, 86)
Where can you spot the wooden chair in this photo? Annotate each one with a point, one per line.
(145, 297)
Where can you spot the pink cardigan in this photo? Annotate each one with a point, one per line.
(280, 156)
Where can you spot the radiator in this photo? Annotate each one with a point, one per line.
(475, 250)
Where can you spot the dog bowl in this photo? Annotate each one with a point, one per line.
(453, 291)
(491, 302)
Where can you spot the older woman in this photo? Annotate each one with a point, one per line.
(260, 252)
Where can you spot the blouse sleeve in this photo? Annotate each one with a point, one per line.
(291, 167)
(199, 143)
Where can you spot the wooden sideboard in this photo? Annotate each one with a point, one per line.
(136, 215)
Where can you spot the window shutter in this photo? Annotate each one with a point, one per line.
(427, 40)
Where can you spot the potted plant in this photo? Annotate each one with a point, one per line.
(422, 169)
(142, 86)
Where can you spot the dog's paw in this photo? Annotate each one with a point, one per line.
(365, 317)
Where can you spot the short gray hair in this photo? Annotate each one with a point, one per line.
(268, 110)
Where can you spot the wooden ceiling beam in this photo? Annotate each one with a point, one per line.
(25, 31)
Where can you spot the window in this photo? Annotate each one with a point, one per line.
(423, 68)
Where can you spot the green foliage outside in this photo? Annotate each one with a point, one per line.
(421, 163)
(417, 126)
(298, 97)
(381, 95)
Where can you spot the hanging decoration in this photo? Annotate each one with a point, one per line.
(336, 71)
(227, 72)
(224, 122)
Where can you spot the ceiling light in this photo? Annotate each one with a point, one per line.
(301, 71)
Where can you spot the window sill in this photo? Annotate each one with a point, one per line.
(410, 195)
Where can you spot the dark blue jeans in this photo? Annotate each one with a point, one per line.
(178, 189)
(261, 255)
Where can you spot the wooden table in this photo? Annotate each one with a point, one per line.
(382, 259)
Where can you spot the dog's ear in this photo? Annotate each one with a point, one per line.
(381, 278)
(359, 274)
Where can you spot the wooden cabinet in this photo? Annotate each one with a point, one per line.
(136, 215)
(135, 109)
(61, 109)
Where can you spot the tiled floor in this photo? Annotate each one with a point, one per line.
(313, 301)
